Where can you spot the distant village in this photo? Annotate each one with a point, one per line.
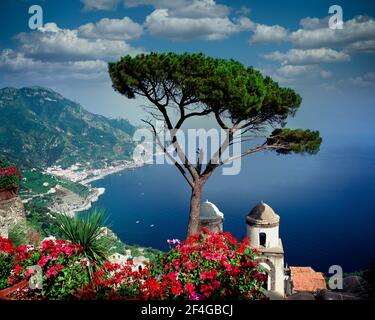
(80, 173)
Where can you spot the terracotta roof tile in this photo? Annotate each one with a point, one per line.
(306, 279)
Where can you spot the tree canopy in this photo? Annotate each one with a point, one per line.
(240, 98)
(225, 88)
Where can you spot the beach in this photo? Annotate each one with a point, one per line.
(110, 170)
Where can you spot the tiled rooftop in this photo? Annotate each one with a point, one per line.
(306, 279)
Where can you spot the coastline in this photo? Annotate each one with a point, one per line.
(97, 192)
(109, 171)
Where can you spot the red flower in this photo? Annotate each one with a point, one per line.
(47, 245)
(176, 290)
(43, 261)
(190, 288)
(22, 253)
(17, 269)
(59, 267)
(52, 271)
(6, 245)
(190, 265)
(151, 288)
(29, 272)
(10, 171)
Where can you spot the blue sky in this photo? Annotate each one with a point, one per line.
(333, 70)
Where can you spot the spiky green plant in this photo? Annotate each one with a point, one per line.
(87, 231)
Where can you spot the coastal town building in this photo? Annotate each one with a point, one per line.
(119, 258)
(211, 217)
(262, 230)
(263, 233)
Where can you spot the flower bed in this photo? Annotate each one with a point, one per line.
(62, 266)
(208, 266)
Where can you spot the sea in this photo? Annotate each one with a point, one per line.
(326, 203)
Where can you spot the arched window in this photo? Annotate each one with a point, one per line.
(262, 239)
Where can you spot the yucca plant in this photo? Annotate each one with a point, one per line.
(88, 232)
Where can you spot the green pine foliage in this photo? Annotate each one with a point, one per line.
(239, 95)
(296, 141)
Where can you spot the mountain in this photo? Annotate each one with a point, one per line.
(39, 127)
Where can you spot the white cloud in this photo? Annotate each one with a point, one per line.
(198, 9)
(308, 56)
(314, 23)
(365, 46)
(54, 43)
(194, 9)
(156, 3)
(265, 34)
(366, 80)
(245, 23)
(357, 35)
(297, 72)
(161, 23)
(297, 76)
(55, 53)
(16, 62)
(99, 4)
(243, 10)
(191, 19)
(111, 29)
(291, 71)
(315, 43)
(359, 29)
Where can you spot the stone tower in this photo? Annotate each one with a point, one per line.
(263, 233)
(211, 217)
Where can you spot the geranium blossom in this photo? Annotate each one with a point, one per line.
(6, 246)
(204, 266)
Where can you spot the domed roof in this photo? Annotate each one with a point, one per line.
(262, 214)
(210, 211)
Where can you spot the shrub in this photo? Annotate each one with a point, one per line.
(64, 269)
(6, 252)
(208, 266)
(113, 281)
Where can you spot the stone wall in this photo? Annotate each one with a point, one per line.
(11, 212)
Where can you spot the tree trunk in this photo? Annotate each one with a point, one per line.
(195, 205)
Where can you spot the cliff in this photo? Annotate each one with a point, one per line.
(41, 128)
(11, 212)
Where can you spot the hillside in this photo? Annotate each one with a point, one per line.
(39, 127)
